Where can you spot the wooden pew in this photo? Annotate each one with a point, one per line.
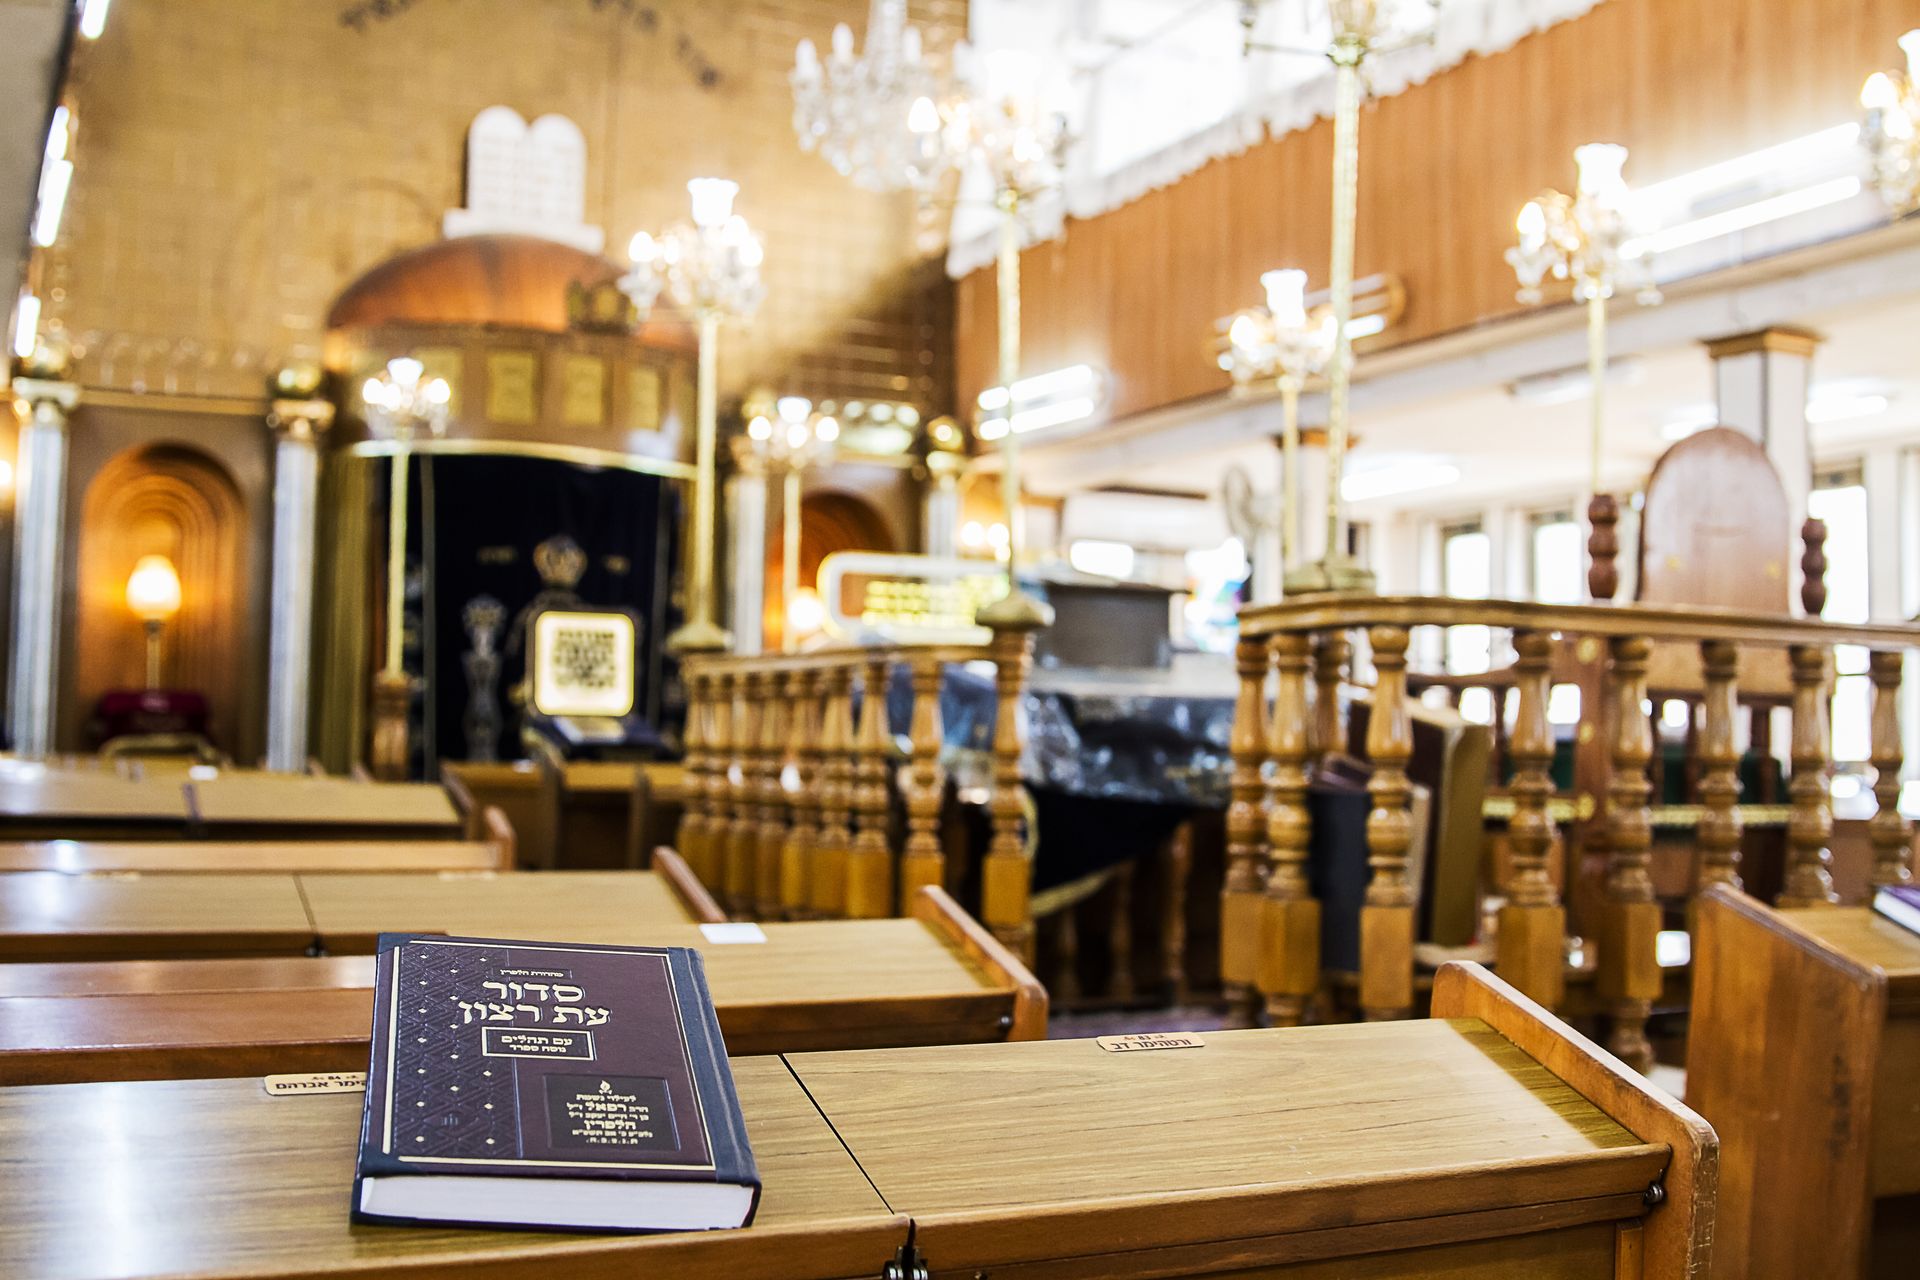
(938, 978)
(180, 857)
(1804, 1053)
(47, 916)
(1497, 1145)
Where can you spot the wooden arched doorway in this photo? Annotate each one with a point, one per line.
(179, 502)
(830, 521)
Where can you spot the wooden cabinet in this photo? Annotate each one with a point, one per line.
(1804, 1053)
(1492, 1142)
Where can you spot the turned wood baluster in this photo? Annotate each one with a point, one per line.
(827, 881)
(1629, 978)
(923, 861)
(1890, 833)
(1533, 922)
(1242, 892)
(691, 839)
(775, 747)
(1720, 827)
(1331, 653)
(1006, 905)
(1120, 984)
(718, 784)
(803, 838)
(870, 861)
(1177, 863)
(743, 833)
(1809, 880)
(1386, 921)
(1290, 919)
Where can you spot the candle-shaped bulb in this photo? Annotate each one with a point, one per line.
(806, 62)
(923, 117)
(1879, 93)
(641, 250)
(842, 43)
(1244, 332)
(1532, 224)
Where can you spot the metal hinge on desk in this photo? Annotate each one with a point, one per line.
(908, 1263)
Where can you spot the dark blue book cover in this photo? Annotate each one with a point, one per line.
(545, 1085)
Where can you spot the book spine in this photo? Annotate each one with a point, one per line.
(726, 1123)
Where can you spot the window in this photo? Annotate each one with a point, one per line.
(1558, 552)
(1840, 498)
(1466, 573)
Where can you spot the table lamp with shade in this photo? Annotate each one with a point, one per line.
(153, 594)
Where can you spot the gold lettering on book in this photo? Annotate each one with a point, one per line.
(310, 1082)
(1150, 1040)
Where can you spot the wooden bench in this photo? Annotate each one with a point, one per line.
(938, 978)
(1498, 1144)
(1804, 1053)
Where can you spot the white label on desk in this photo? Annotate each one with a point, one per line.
(294, 1086)
(733, 932)
(1149, 1040)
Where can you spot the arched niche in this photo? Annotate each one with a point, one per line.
(177, 501)
(830, 522)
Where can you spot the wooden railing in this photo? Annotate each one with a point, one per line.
(1301, 650)
(789, 789)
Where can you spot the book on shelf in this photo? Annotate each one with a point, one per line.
(540, 1085)
(1899, 903)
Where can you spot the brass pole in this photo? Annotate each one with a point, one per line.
(1346, 198)
(1016, 608)
(1290, 460)
(789, 555)
(153, 653)
(699, 633)
(397, 561)
(1596, 376)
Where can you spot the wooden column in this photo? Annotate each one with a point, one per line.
(870, 861)
(1629, 978)
(923, 861)
(690, 839)
(1007, 876)
(827, 882)
(770, 843)
(1719, 753)
(1386, 921)
(803, 837)
(1331, 653)
(1533, 923)
(1809, 880)
(1891, 834)
(1290, 926)
(743, 833)
(1242, 890)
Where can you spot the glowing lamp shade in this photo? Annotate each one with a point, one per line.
(1532, 225)
(807, 613)
(712, 200)
(153, 589)
(1910, 45)
(1286, 296)
(1600, 169)
(1880, 93)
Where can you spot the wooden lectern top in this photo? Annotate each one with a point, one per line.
(46, 915)
(276, 800)
(351, 911)
(41, 795)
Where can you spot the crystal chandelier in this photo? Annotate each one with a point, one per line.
(1892, 130)
(1580, 238)
(711, 269)
(790, 440)
(872, 116)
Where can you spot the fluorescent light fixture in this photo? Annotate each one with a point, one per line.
(93, 17)
(55, 181)
(1389, 482)
(1768, 163)
(1367, 326)
(1073, 378)
(26, 324)
(1844, 408)
(1100, 558)
(1049, 399)
(1745, 218)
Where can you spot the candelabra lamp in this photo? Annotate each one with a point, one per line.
(1892, 129)
(792, 440)
(1581, 239)
(1356, 31)
(711, 270)
(1282, 343)
(401, 404)
(153, 595)
(891, 122)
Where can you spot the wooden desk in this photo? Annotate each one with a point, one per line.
(53, 804)
(239, 806)
(351, 911)
(936, 979)
(181, 857)
(214, 1178)
(1468, 1147)
(45, 915)
(1804, 1052)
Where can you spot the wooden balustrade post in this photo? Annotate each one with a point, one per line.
(1809, 880)
(923, 860)
(717, 784)
(771, 843)
(1533, 922)
(691, 837)
(827, 881)
(1720, 825)
(743, 834)
(870, 861)
(1331, 653)
(1289, 971)
(1006, 902)
(1243, 890)
(1629, 978)
(803, 837)
(1386, 921)
(1890, 833)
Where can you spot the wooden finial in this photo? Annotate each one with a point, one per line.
(1603, 547)
(1813, 567)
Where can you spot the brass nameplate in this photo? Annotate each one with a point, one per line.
(293, 1086)
(1150, 1040)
